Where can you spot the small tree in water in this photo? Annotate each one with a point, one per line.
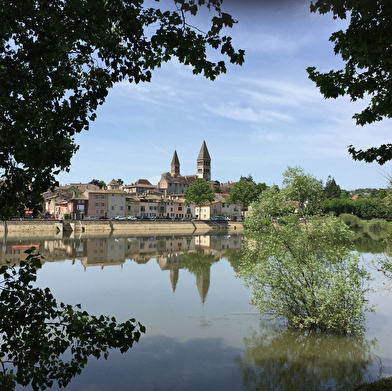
(305, 273)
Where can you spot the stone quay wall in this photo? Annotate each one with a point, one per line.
(31, 227)
(154, 227)
(58, 227)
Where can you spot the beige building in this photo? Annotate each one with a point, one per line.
(116, 203)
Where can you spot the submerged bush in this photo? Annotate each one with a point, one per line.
(307, 274)
(351, 220)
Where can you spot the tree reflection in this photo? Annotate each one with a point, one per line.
(279, 359)
(234, 258)
(369, 242)
(199, 263)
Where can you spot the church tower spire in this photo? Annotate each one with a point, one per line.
(204, 163)
(175, 164)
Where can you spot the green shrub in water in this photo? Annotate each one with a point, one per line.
(351, 220)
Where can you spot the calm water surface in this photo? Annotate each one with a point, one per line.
(201, 332)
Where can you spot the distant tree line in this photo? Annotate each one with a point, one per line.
(361, 207)
(370, 203)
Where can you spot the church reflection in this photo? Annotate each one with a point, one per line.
(172, 253)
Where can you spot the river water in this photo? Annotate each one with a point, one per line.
(201, 332)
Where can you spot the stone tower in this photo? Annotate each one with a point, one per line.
(204, 163)
(175, 165)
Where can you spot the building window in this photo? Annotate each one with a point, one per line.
(102, 197)
(96, 196)
(102, 211)
(121, 208)
(113, 208)
(97, 204)
(102, 204)
(96, 211)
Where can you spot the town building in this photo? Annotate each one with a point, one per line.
(204, 163)
(173, 183)
(116, 203)
(97, 203)
(132, 205)
(141, 186)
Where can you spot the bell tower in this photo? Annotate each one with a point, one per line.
(175, 164)
(204, 163)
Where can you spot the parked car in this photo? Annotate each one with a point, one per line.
(132, 218)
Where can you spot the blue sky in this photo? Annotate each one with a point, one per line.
(256, 119)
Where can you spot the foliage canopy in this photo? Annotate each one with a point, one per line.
(301, 187)
(58, 60)
(245, 191)
(199, 193)
(365, 48)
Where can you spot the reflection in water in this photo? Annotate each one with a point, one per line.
(172, 253)
(179, 352)
(199, 263)
(278, 359)
(369, 242)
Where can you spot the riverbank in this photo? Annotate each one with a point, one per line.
(56, 228)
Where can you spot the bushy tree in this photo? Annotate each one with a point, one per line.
(245, 191)
(301, 187)
(364, 48)
(305, 273)
(198, 193)
(58, 61)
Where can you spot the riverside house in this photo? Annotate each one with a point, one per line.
(132, 204)
(116, 203)
(97, 203)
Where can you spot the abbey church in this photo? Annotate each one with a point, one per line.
(175, 183)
